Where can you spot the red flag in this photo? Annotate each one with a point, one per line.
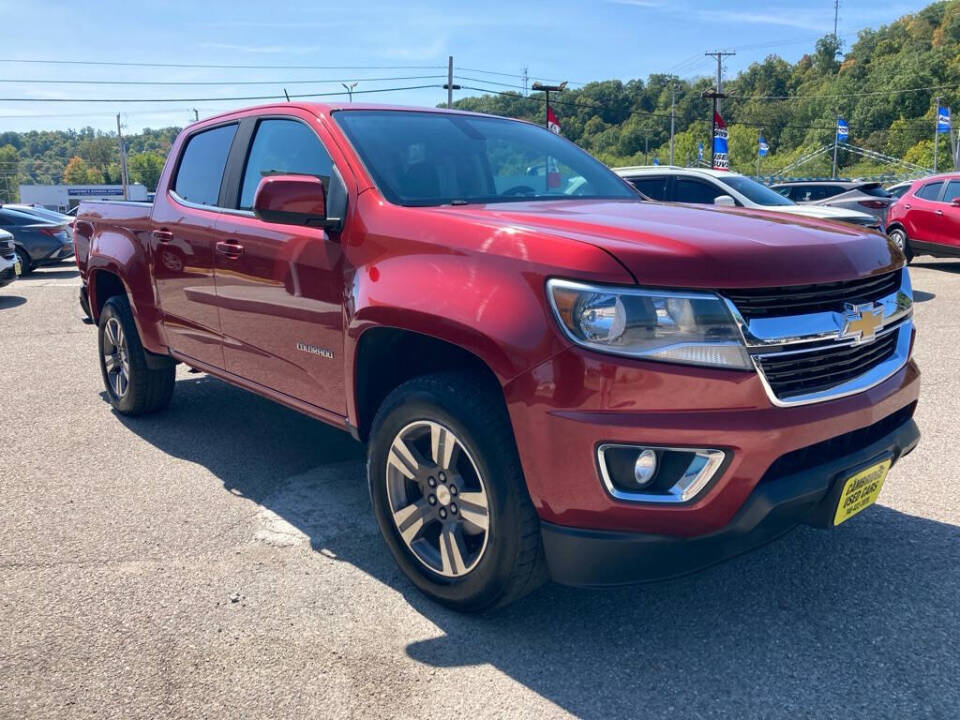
(553, 125)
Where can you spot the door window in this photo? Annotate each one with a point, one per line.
(930, 191)
(282, 147)
(202, 163)
(695, 191)
(952, 192)
(654, 188)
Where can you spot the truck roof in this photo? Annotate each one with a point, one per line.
(325, 108)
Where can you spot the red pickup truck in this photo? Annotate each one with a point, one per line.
(554, 378)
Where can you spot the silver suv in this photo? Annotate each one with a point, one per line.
(724, 188)
(868, 197)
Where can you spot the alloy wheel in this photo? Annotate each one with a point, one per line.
(438, 500)
(116, 357)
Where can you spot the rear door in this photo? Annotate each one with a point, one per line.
(950, 220)
(653, 186)
(922, 221)
(281, 286)
(182, 244)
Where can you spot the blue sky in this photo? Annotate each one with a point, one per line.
(559, 40)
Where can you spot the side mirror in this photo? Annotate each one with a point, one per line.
(291, 200)
(955, 202)
(724, 201)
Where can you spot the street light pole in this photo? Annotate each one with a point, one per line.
(547, 89)
(673, 116)
(714, 95)
(936, 132)
(349, 88)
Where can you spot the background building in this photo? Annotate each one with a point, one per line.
(65, 197)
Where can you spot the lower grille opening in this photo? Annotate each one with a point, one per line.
(834, 448)
(824, 368)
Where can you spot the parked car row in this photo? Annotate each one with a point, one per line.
(730, 189)
(40, 236)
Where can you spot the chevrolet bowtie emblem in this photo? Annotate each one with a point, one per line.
(861, 322)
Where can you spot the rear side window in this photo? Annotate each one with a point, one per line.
(202, 164)
(930, 191)
(695, 191)
(281, 147)
(952, 192)
(875, 190)
(654, 188)
(13, 218)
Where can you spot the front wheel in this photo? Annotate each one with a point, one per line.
(26, 264)
(449, 494)
(133, 387)
(900, 239)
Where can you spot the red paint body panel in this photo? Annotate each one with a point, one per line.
(234, 295)
(928, 221)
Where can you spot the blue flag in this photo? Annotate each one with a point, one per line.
(762, 150)
(656, 161)
(943, 119)
(720, 159)
(843, 129)
(700, 152)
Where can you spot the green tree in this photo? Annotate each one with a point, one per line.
(145, 168)
(9, 173)
(100, 152)
(78, 172)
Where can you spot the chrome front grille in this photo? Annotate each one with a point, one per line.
(805, 299)
(810, 354)
(793, 374)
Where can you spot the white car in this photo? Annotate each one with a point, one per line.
(730, 189)
(9, 265)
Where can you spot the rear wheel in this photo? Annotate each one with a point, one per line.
(900, 239)
(132, 386)
(449, 494)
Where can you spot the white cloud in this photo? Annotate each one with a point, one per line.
(786, 19)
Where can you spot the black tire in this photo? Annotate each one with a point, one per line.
(26, 264)
(145, 390)
(900, 239)
(470, 405)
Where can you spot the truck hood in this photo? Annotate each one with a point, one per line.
(702, 246)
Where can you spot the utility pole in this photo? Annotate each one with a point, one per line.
(758, 152)
(936, 132)
(836, 144)
(547, 89)
(719, 55)
(450, 87)
(836, 17)
(350, 88)
(123, 159)
(673, 116)
(526, 79)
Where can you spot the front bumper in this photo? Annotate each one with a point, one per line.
(779, 502)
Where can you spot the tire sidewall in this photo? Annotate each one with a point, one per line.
(482, 584)
(118, 308)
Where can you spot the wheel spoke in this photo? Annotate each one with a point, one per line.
(111, 362)
(403, 459)
(443, 446)
(473, 509)
(111, 333)
(410, 520)
(451, 552)
(118, 383)
(119, 335)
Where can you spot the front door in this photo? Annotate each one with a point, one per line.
(182, 246)
(950, 219)
(280, 287)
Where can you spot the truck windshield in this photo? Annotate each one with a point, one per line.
(427, 158)
(755, 192)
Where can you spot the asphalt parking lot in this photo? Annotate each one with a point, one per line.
(220, 559)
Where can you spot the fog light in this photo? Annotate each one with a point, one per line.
(645, 468)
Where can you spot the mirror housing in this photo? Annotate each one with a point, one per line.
(291, 200)
(955, 202)
(724, 201)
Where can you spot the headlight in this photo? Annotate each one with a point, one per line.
(681, 327)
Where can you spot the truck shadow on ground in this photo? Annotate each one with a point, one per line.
(11, 301)
(860, 621)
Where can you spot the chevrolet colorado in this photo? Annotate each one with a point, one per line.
(553, 377)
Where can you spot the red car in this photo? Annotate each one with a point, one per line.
(553, 377)
(926, 219)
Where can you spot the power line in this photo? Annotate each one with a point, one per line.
(113, 63)
(213, 99)
(219, 82)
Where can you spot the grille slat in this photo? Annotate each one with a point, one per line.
(825, 368)
(805, 299)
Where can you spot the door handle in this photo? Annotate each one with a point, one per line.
(229, 248)
(162, 235)
(907, 206)
(939, 212)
